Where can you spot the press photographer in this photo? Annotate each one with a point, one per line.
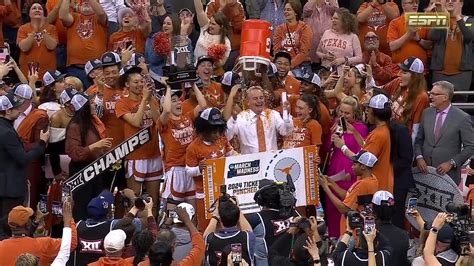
(234, 230)
(278, 204)
(438, 245)
(370, 246)
(305, 243)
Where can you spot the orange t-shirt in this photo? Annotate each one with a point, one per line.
(295, 39)
(396, 29)
(365, 186)
(86, 39)
(199, 150)
(399, 96)
(176, 136)
(378, 143)
(113, 125)
(454, 50)
(60, 28)
(13, 18)
(38, 52)
(150, 150)
(303, 134)
(214, 95)
(118, 40)
(92, 90)
(378, 23)
(188, 105)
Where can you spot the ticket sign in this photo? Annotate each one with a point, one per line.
(241, 175)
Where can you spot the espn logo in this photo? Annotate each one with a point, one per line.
(427, 20)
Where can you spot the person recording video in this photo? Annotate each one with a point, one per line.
(272, 221)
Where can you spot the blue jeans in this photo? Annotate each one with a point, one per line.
(79, 73)
(61, 57)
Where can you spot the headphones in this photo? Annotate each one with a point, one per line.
(258, 198)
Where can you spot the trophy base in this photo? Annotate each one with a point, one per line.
(175, 75)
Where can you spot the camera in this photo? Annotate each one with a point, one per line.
(355, 220)
(140, 201)
(460, 221)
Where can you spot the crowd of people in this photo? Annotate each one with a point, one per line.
(374, 94)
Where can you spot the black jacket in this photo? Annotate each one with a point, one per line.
(14, 161)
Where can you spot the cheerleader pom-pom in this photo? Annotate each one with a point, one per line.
(216, 51)
(162, 44)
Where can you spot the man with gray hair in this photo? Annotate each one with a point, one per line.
(445, 138)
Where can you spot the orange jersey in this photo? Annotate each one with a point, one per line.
(304, 134)
(118, 40)
(86, 39)
(214, 95)
(150, 150)
(38, 51)
(378, 143)
(365, 186)
(399, 96)
(176, 136)
(113, 125)
(199, 150)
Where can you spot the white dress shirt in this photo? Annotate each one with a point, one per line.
(245, 127)
(22, 117)
(111, 8)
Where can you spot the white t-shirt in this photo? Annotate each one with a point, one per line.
(206, 40)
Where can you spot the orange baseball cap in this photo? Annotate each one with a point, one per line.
(19, 216)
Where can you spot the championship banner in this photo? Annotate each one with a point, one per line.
(103, 163)
(433, 192)
(241, 175)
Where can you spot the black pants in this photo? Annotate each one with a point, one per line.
(6, 205)
(398, 218)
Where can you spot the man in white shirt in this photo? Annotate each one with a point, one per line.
(258, 126)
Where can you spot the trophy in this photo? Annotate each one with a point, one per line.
(180, 64)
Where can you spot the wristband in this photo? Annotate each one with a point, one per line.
(434, 229)
(344, 149)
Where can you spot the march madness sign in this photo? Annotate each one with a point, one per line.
(241, 175)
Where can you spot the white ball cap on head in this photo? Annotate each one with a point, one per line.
(115, 241)
(378, 101)
(366, 158)
(383, 196)
(189, 209)
(78, 101)
(23, 91)
(412, 64)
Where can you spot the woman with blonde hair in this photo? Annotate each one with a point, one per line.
(355, 132)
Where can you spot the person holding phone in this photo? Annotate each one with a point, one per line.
(337, 162)
(132, 33)
(86, 140)
(37, 41)
(47, 249)
(140, 110)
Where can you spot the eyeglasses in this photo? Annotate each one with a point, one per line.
(371, 38)
(435, 94)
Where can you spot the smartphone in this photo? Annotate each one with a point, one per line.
(57, 208)
(343, 124)
(43, 203)
(411, 205)
(236, 252)
(4, 54)
(65, 193)
(369, 224)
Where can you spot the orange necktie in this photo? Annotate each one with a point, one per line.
(261, 135)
